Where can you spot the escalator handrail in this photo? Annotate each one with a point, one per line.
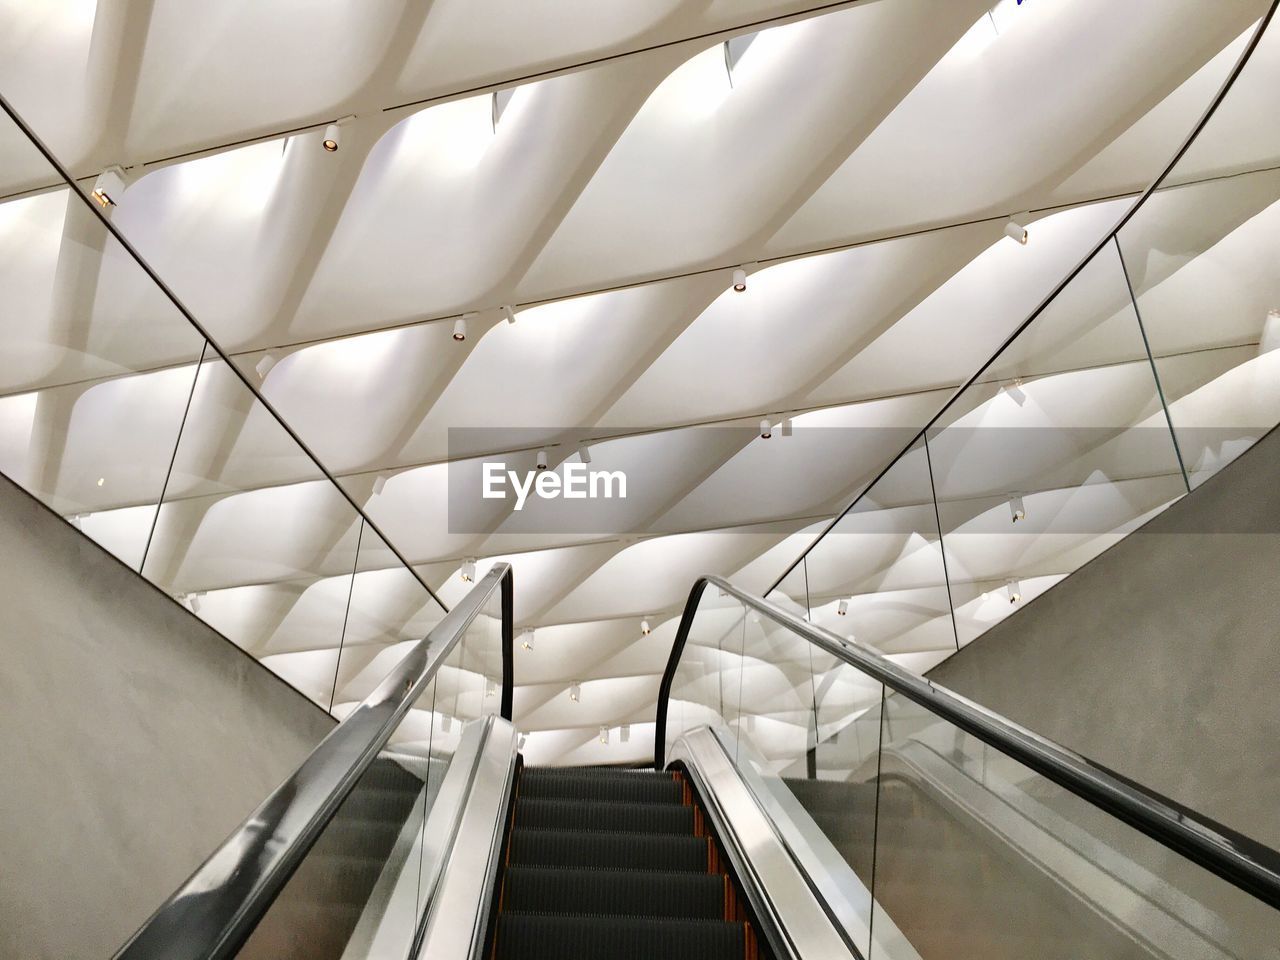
(213, 913)
(1241, 861)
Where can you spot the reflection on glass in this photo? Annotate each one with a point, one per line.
(96, 365)
(974, 848)
(1057, 453)
(253, 538)
(879, 576)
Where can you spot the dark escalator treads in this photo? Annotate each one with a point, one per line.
(535, 937)
(634, 789)
(608, 850)
(690, 896)
(531, 773)
(616, 817)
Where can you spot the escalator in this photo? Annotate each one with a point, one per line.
(605, 863)
(809, 799)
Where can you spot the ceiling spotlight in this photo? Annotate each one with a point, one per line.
(510, 313)
(624, 733)
(490, 686)
(766, 429)
(468, 570)
(75, 519)
(644, 628)
(101, 481)
(1014, 589)
(332, 138)
(526, 638)
(740, 280)
(1016, 228)
(446, 722)
(524, 738)
(265, 364)
(1017, 509)
(575, 691)
(604, 734)
(786, 427)
(542, 459)
(584, 453)
(460, 329)
(379, 484)
(1015, 391)
(842, 608)
(501, 99)
(108, 188)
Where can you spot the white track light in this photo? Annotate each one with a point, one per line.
(460, 329)
(584, 453)
(624, 733)
(766, 429)
(1014, 589)
(1015, 391)
(379, 484)
(524, 738)
(1017, 509)
(468, 570)
(604, 734)
(509, 313)
(842, 608)
(265, 365)
(446, 722)
(575, 691)
(786, 427)
(542, 459)
(194, 599)
(332, 138)
(1016, 228)
(526, 638)
(109, 187)
(644, 627)
(490, 687)
(740, 280)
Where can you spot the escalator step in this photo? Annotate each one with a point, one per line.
(597, 772)
(614, 789)
(623, 893)
(608, 851)
(614, 817)
(572, 937)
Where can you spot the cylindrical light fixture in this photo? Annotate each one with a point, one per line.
(526, 638)
(1014, 589)
(332, 138)
(468, 570)
(1016, 228)
(644, 627)
(740, 280)
(460, 329)
(542, 459)
(766, 429)
(604, 734)
(575, 691)
(1017, 510)
(584, 453)
(842, 608)
(509, 313)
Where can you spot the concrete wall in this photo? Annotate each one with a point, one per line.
(1161, 657)
(133, 738)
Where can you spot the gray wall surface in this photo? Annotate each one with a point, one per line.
(1161, 657)
(133, 739)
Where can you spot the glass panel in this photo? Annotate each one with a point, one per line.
(978, 855)
(706, 687)
(879, 576)
(96, 364)
(388, 609)
(364, 886)
(1058, 452)
(253, 537)
(1201, 255)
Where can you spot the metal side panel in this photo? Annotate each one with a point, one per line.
(458, 913)
(791, 915)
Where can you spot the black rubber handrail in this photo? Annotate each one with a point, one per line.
(1111, 236)
(1237, 859)
(213, 913)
